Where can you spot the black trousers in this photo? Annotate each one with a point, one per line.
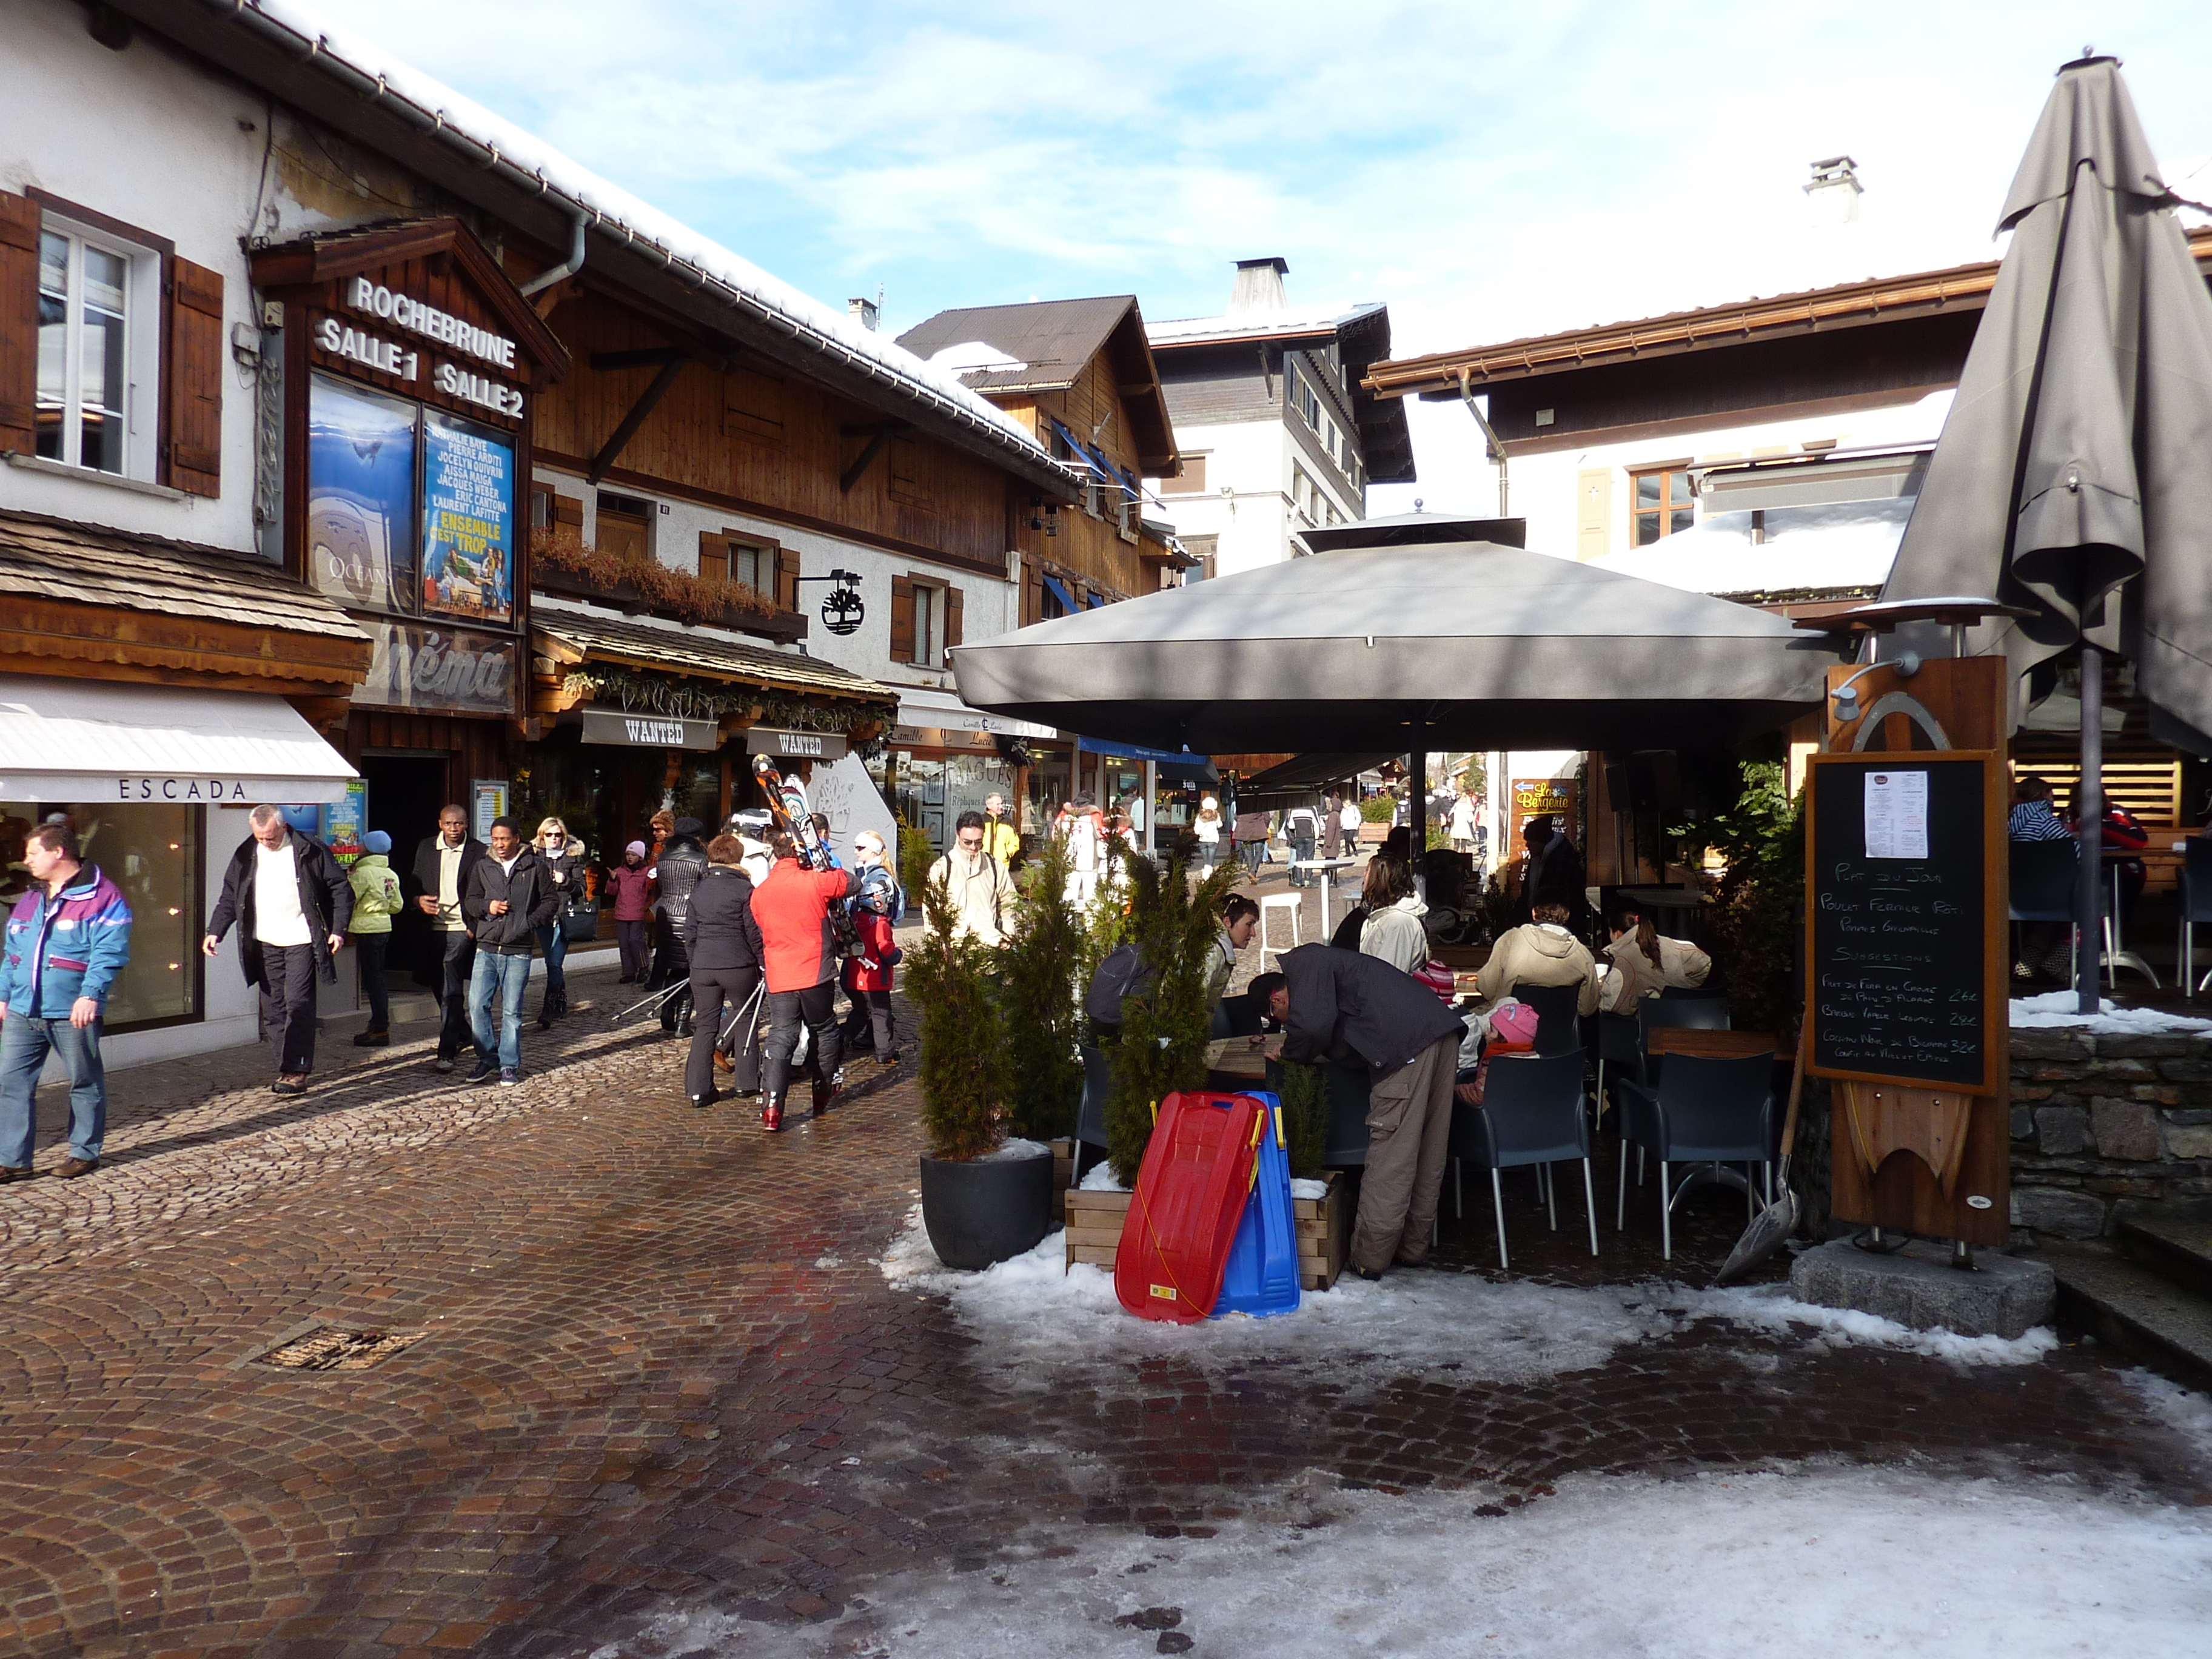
(288, 1006)
(710, 987)
(455, 1032)
(818, 1006)
(869, 1021)
(373, 947)
(630, 936)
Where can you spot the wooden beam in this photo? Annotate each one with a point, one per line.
(878, 433)
(611, 450)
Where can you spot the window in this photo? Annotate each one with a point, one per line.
(1309, 404)
(99, 336)
(924, 621)
(1192, 480)
(726, 558)
(625, 526)
(1663, 506)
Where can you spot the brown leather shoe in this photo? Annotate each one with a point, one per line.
(291, 1083)
(724, 1062)
(15, 1172)
(71, 1168)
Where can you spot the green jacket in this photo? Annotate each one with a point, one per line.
(375, 894)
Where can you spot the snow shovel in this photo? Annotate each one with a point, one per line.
(1778, 1220)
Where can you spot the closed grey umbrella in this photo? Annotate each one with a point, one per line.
(2074, 477)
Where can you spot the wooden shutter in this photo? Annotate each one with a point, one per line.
(19, 324)
(192, 383)
(951, 617)
(714, 556)
(902, 619)
(786, 577)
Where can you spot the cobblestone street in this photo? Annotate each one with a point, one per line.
(662, 1369)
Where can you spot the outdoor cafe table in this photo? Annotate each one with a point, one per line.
(1328, 867)
(1235, 1062)
(1714, 1045)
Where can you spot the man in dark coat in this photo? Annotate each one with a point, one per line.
(1552, 870)
(723, 945)
(442, 867)
(510, 895)
(678, 869)
(1342, 1008)
(292, 904)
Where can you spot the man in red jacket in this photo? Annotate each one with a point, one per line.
(792, 908)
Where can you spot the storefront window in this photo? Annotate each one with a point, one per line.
(155, 853)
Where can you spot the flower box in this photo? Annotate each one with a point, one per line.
(783, 627)
(1323, 1226)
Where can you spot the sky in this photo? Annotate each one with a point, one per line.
(1489, 172)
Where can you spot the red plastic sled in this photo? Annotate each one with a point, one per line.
(1198, 1172)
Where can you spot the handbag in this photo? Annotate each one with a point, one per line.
(579, 922)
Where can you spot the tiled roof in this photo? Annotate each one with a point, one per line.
(60, 559)
(699, 651)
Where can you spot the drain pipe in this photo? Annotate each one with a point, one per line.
(568, 268)
(1494, 450)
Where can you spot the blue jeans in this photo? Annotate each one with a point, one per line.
(506, 977)
(553, 942)
(24, 1043)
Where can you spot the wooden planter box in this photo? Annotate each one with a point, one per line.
(784, 627)
(1323, 1226)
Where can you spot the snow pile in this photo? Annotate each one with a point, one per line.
(1099, 1178)
(1012, 1147)
(1772, 1308)
(1308, 1189)
(1038, 1319)
(2059, 1008)
(1884, 1561)
(2187, 1412)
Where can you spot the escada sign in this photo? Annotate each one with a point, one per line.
(153, 789)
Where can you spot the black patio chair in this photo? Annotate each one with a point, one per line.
(1559, 1030)
(1701, 1111)
(1531, 1114)
(2196, 907)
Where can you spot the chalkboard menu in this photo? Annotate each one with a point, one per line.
(1900, 851)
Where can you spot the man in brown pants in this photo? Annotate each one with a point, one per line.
(1342, 1008)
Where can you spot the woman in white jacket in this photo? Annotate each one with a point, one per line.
(1393, 930)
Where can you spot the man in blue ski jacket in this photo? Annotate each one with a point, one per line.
(67, 939)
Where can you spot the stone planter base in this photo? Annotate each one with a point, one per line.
(1323, 1226)
(1918, 1287)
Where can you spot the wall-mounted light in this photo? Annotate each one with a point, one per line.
(1847, 696)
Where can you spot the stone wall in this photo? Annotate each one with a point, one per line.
(2098, 1121)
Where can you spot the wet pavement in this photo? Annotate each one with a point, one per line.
(660, 1368)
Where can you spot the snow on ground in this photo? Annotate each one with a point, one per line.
(1814, 1560)
(1037, 1317)
(2187, 1412)
(2061, 1008)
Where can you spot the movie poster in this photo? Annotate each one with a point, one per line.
(360, 495)
(468, 520)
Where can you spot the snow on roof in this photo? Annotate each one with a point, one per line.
(1807, 549)
(1254, 324)
(975, 357)
(615, 212)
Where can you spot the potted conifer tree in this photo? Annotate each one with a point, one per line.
(979, 1204)
(1041, 969)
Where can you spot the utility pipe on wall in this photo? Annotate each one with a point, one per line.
(1492, 448)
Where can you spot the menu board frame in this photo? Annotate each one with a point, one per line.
(1834, 796)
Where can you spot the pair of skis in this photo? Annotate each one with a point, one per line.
(788, 808)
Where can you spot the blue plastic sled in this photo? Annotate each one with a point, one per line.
(1262, 1275)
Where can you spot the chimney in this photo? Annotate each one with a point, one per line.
(1259, 286)
(1835, 190)
(866, 311)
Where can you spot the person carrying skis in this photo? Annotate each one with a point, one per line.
(792, 908)
(875, 911)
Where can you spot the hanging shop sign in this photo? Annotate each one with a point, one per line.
(795, 745)
(640, 730)
(437, 670)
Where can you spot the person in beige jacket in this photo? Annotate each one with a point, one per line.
(981, 891)
(1541, 952)
(1645, 962)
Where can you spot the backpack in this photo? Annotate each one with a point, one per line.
(1123, 973)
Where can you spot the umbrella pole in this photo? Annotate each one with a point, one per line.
(2089, 812)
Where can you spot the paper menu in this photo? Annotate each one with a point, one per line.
(1897, 815)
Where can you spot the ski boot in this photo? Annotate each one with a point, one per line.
(772, 1112)
(825, 1090)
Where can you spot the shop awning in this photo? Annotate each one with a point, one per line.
(944, 711)
(1179, 763)
(91, 741)
(579, 636)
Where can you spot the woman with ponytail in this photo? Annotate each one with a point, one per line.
(1645, 963)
